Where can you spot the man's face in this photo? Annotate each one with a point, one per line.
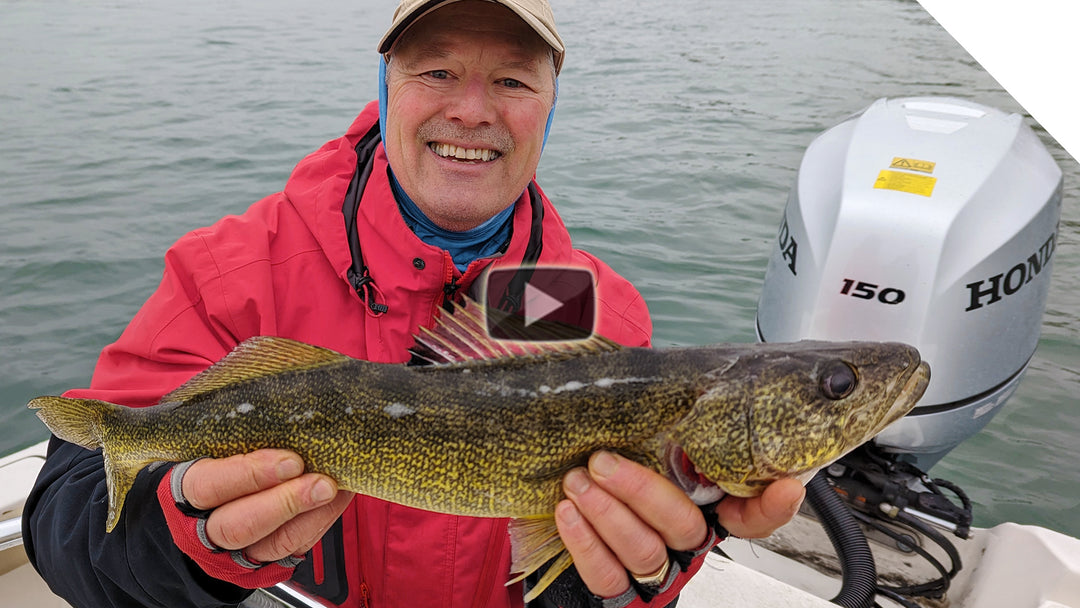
(469, 89)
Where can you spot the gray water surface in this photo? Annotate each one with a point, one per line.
(679, 128)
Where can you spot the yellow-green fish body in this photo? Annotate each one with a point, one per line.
(492, 436)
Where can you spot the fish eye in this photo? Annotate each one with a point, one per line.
(838, 380)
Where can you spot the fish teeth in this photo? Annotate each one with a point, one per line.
(460, 153)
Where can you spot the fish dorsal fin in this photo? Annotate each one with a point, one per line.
(462, 336)
(255, 357)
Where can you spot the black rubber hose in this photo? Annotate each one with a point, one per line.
(859, 584)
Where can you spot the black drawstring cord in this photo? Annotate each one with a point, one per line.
(514, 294)
(358, 274)
(510, 303)
(366, 289)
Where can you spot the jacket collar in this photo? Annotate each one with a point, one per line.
(317, 189)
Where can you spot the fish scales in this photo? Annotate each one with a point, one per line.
(492, 435)
(490, 441)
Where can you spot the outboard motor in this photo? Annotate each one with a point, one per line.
(930, 221)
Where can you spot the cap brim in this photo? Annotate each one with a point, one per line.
(403, 21)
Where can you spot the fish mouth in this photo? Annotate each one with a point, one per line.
(909, 394)
(684, 474)
(462, 153)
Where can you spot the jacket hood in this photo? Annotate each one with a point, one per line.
(317, 187)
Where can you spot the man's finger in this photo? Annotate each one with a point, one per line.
(598, 567)
(249, 519)
(653, 498)
(636, 544)
(212, 482)
(760, 516)
(298, 535)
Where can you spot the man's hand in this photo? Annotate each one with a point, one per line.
(264, 503)
(622, 516)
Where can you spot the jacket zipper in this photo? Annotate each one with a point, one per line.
(450, 282)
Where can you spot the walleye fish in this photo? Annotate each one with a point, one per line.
(490, 429)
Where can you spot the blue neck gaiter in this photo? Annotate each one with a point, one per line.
(464, 247)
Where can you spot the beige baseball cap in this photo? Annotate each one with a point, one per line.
(537, 13)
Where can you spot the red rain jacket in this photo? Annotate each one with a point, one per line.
(281, 269)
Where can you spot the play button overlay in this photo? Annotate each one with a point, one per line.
(540, 304)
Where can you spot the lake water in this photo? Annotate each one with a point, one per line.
(678, 132)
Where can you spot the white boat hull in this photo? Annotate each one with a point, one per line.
(1007, 566)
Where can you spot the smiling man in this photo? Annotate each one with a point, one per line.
(373, 235)
(469, 93)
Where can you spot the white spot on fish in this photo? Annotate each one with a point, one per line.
(307, 415)
(348, 410)
(573, 385)
(397, 410)
(609, 382)
(243, 408)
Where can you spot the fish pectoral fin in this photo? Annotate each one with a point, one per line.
(255, 357)
(534, 542)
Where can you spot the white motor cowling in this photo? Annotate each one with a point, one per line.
(930, 221)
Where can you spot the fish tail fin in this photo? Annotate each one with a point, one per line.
(535, 541)
(81, 421)
(77, 421)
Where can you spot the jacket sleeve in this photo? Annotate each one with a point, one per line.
(135, 564)
(179, 331)
(685, 564)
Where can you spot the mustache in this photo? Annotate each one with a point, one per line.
(491, 137)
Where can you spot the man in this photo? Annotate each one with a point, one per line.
(367, 242)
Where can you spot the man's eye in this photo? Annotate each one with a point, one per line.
(513, 84)
(439, 74)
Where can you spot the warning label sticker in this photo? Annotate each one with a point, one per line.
(905, 182)
(912, 164)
